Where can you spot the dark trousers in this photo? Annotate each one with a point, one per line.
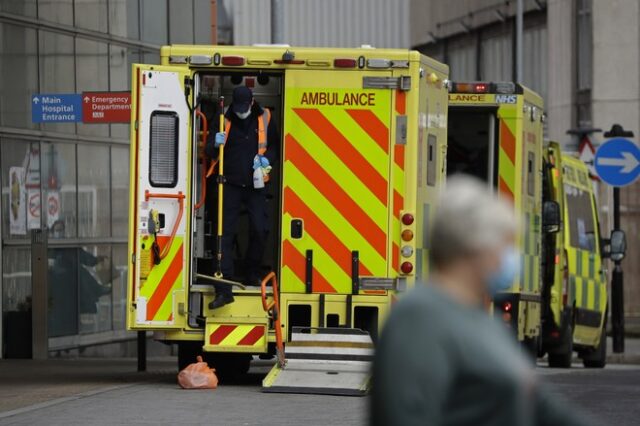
(255, 201)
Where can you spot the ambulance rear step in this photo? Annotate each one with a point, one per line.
(327, 361)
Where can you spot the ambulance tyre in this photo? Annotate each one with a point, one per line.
(598, 357)
(561, 358)
(187, 353)
(532, 347)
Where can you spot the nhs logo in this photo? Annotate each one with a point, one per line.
(506, 99)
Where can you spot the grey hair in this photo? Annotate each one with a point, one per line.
(469, 218)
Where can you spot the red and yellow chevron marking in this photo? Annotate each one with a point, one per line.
(398, 183)
(162, 281)
(507, 159)
(248, 335)
(336, 180)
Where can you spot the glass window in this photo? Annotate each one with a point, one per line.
(202, 20)
(120, 190)
(163, 152)
(93, 191)
(95, 274)
(92, 68)
(60, 11)
(20, 188)
(16, 301)
(124, 19)
(59, 189)
(63, 291)
(20, 7)
(57, 71)
(119, 286)
(18, 75)
(120, 60)
(91, 14)
(181, 21)
(582, 229)
(150, 58)
(154, 21)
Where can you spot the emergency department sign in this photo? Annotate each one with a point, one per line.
(106, 107)
(618, 162)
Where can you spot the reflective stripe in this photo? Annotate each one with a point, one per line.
(263, 125)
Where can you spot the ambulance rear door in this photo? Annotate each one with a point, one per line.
(160, 198)
(336, 198)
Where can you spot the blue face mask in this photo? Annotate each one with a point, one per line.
(502, 279)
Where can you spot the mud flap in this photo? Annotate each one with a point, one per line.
(327, 361)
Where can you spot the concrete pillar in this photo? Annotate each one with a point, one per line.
(560, 30)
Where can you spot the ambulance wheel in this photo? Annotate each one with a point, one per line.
(598, 357)
(532, 347)
(561, 358)
(187, 353)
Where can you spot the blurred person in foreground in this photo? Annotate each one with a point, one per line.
(441, 359)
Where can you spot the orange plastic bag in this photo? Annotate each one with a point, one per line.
(198, 376)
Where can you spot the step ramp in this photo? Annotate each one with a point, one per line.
(328, 361)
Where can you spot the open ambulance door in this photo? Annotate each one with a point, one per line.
(160, 198)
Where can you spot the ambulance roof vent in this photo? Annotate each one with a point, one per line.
(271, 45)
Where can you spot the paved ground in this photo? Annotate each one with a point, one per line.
(154, 398)
(611, 396)
(92, 391)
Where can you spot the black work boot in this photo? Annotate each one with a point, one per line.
(221, 300)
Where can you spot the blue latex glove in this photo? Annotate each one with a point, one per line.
(261, 161)
(220, 138)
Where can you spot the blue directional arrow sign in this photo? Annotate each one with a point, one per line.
(56, 108)
(617, 162)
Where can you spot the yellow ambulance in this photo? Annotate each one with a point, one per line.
(495, 133)
(363, 144)
(574, 277)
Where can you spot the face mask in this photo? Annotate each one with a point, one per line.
(243, 115)
(509, 267)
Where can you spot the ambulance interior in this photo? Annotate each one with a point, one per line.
(267, 91)
(472, 142)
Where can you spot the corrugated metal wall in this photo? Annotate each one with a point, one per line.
(327, 23)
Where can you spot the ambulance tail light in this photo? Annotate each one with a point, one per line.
(407, 219)
(470, 87)
(406, 267)
(407, 235)
(507, 306)
(345, 63)
(503, 88)
(233, 61)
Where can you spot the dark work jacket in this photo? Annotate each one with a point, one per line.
(242, 146)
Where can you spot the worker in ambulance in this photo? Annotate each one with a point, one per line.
(251, 149)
